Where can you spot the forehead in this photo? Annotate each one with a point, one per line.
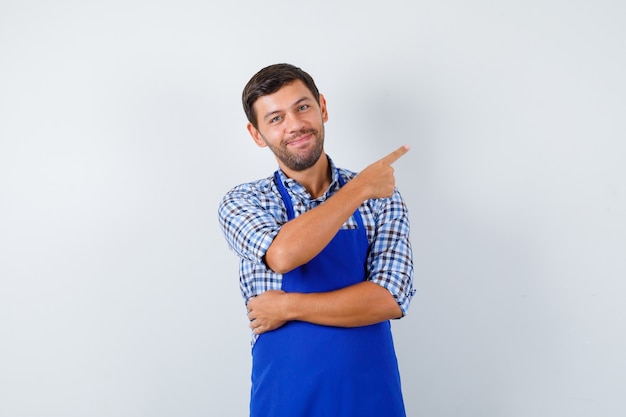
(287, 96)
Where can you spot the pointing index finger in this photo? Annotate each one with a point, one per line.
(395, 155)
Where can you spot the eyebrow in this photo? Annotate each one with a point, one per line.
(269, 114)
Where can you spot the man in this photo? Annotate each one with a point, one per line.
(326, 262)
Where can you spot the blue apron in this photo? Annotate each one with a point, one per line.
(308, 370)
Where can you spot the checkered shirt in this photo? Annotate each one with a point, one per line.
(251, 215)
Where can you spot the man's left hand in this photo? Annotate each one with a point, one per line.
(267, 311)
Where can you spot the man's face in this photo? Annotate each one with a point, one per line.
(291, 123)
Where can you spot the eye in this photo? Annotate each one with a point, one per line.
(276, 119)
(303, 107)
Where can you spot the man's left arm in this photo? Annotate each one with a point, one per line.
(385, 295)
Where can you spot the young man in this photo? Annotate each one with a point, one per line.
(326, 262)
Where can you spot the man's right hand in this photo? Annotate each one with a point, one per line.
(377, 179)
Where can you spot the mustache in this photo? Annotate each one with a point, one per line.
(299, 133)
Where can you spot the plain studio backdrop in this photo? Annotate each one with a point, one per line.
(121, 128)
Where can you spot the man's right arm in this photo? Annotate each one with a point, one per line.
(302, 238)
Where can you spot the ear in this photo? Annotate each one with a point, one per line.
(256, 135)
(323, 108)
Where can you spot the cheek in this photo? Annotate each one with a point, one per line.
(272, 136)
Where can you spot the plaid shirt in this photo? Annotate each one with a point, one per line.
(251, 215)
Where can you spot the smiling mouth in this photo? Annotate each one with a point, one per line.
(304, 137)
(298, 141)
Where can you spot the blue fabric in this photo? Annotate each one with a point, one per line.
(309, 370)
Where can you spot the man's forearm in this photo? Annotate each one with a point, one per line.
(357, 305)
(360, 304)
(302, 238)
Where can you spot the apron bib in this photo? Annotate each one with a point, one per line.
(308, 370)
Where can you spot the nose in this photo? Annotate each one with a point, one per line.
(293, 122)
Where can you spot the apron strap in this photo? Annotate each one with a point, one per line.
(285, 196)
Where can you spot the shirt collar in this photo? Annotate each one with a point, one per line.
(298, 189)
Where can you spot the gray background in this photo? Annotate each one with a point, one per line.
(121, 128)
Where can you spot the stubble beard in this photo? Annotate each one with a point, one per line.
(300, 162)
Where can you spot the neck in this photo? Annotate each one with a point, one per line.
(315, 179)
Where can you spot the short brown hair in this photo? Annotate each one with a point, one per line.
(268, 81)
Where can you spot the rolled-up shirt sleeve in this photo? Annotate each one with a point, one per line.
(247, 222)
(390, 261)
